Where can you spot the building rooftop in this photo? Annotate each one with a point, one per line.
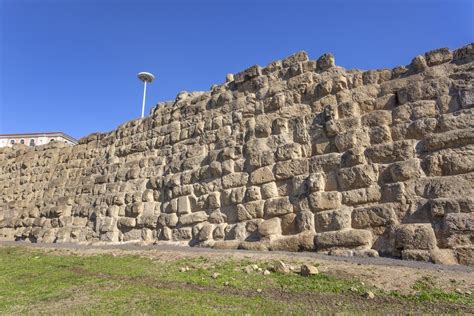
(39, 134)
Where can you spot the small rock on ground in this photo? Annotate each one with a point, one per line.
(308, 269)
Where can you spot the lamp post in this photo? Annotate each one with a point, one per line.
(145, 77)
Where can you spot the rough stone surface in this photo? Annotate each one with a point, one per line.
(298, 155)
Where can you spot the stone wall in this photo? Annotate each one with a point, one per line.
(298, 155)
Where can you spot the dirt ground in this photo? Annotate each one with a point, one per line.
(383, 273)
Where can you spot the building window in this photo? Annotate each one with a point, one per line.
(22, 141)
(32, 142)
(12, 142)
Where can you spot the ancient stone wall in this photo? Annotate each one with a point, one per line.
(298, 155)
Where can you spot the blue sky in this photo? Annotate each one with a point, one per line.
(71, 65)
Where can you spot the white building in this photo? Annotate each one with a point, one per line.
(35, 139)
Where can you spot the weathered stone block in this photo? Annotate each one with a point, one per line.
(136, 209)
(438, 56)
(147, 196)
(253, 194)
(352, 238)
(442, 206)
(361, 196)
(405, 170)
(325, 163)
(255, 208)
(233, 196)
(348, 109)
(450, 139)
(353, 157)
(460, 222)
(380, 135)
(184, 233)
(248, 74)
(357, 177)
(184, 207)
(168, 220)
(270, 227)
(147, 220)
(193, 218)
(373, 216)
(262, 175)
(465, 255)
(334, 127)
(299, 242)
(415, 236)
(290, 168)
(325, 62)
(288, 224)
(332, 220)
(235, 180)
(319, 201)
(305, 221)
(269, 190)
(317, 182)
(386, 153)
(205, 233)
(126, 222)
(416, 255)
(277, 207)
(352, 139)
(393, 192)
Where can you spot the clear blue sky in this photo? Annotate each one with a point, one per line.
(71, 65)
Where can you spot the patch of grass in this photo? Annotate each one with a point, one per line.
(46, 282)
(426, 291)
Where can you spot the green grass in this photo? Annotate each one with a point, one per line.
(426, 291)
(42, 282)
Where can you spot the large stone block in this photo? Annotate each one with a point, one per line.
(460, 222)
(449, 139)
(288, 151)
(361, 196)
(262, 175)
(305, 221)
(325, 163)
(287, 169)
(373, 216)
(438, 56)
(352, 238)
(357, 177)
(193, 218)
(288, 224)
(277, 207)
(386, 153)
(269, 190)
(405, 170)
(235, 180)
(332, 220)
(298, 242)
(352, 139)
(184, 206)
(255, 209)
(184, 233)
(449, 161)
(441, 207)
(126, 222)
(168, 220)
(270, 227)
(248, 74)
(319, 201)
(415, 236)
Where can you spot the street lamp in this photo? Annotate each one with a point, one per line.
(145, 77)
